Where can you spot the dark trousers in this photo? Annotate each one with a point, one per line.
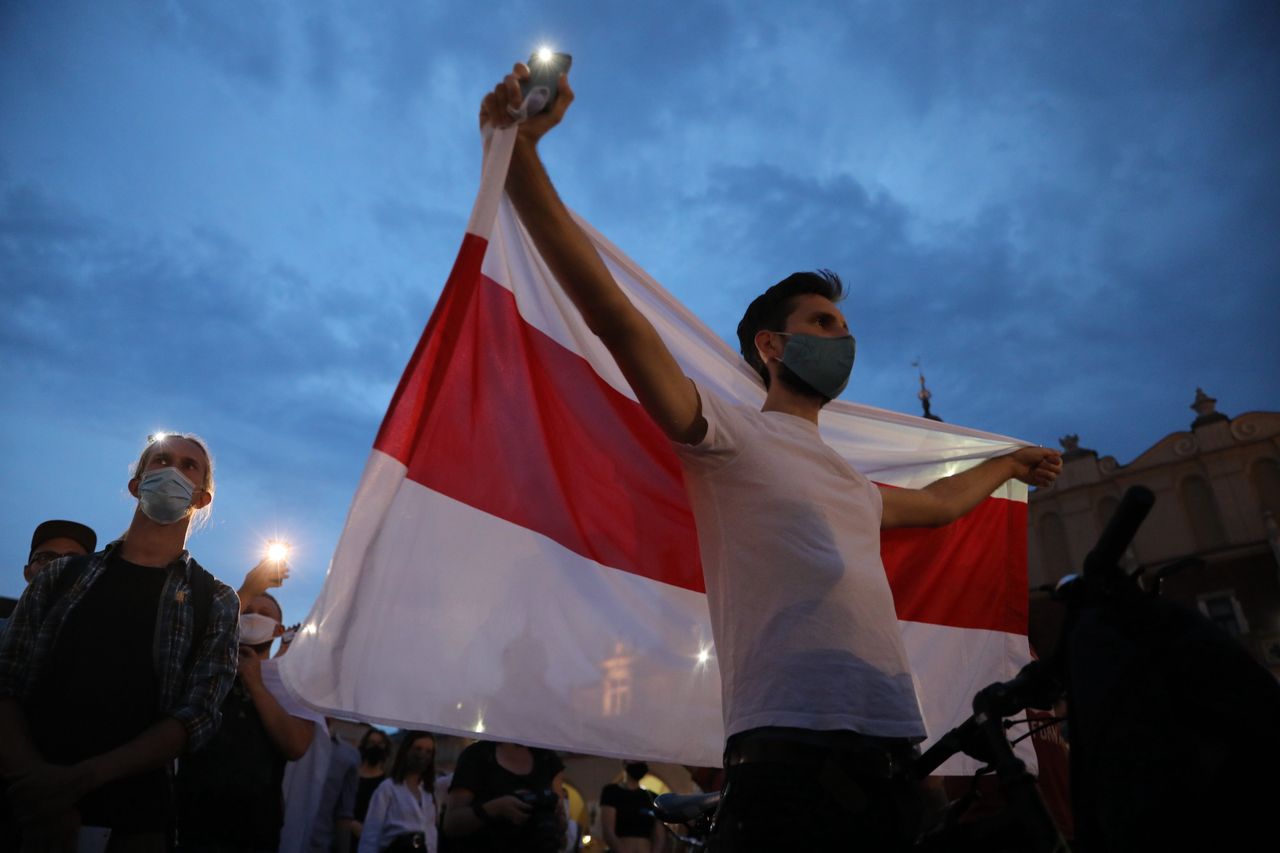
(847, 794)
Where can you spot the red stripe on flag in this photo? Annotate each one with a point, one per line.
(971, 573)
(497, 415)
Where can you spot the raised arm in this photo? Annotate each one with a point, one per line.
(652, 372)
(943, 501)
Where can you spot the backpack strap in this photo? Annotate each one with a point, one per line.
(202, 587)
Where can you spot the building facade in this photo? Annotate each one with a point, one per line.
(1217, 488)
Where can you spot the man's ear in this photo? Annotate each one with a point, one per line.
(202, 500)
(133, 486)
(767, 346)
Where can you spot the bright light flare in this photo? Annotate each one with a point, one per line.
(277, 552)
(704, 656)
(480, 726)
(544, 54)
(157, 436)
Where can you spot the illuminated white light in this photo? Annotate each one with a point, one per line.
(480, 725)
(459, 706)
(586, 839)
(159, 436)
(704, 656)
(277, 551)
(309, 628)
(545, 54)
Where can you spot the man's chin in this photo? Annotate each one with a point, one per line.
(796, 385)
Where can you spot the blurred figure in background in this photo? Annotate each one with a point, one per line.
(626, 814)
(402, 811)
(505, 797)
(54, 539)
(51, 540)
(375, 749)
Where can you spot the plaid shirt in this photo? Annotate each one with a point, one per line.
(193, 697)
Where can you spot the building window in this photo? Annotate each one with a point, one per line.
(1265, 475)
(1054, 555)
(616, 685)
(1223, 610)
(617, 697)
(1202, 513)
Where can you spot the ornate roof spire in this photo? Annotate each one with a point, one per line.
(1206, 409)
(925, 394)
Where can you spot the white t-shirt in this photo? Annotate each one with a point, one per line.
(803, 617)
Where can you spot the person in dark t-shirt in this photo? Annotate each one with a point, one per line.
(375, 747)
(115, 663)
(505, 798)
(626, 814)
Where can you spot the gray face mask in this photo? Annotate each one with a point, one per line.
(165, 495)
(823, 363)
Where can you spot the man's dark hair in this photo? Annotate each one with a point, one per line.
(769, 311)
(398, 768)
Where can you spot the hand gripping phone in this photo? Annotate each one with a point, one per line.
(539, 91)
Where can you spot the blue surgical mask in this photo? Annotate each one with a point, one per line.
(165, 495)
(823, 363)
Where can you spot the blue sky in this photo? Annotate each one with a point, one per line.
(234, 218)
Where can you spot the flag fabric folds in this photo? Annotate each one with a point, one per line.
(520, 560)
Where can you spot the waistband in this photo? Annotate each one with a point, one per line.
(864, 755)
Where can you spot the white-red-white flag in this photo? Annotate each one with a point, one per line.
(520, 559)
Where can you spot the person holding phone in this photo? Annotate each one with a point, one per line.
(819, 702)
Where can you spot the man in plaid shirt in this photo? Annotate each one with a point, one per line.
(114, 664)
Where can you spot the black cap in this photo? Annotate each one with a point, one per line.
(58, 529)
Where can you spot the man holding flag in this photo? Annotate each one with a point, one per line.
(819, 703)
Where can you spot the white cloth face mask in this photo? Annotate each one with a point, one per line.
(256, 629)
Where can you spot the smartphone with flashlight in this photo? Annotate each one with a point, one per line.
(545, 68)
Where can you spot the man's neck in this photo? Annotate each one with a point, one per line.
(782, 399)
(149, 544)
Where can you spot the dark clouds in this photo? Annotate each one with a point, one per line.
(235, 217)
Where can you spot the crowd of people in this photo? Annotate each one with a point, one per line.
(142, 709)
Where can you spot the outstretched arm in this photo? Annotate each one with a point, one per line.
(652, 372)
(943, 501)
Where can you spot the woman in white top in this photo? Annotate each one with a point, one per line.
(402, 812)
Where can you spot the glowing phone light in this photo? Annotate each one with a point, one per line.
(545, 54)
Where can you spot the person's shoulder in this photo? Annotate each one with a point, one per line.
(476, 754)
(547, 757)
(477, 748)
(219, 592)
(386, 788)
